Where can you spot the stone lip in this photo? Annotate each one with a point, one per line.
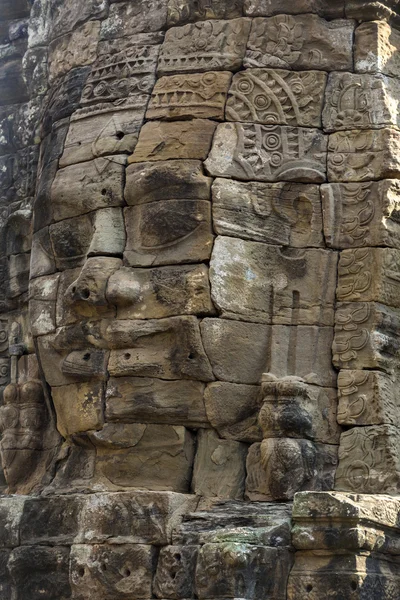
(388, 10)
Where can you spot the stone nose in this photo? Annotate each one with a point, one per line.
(87, 293)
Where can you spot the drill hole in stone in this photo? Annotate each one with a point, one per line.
(354, 585)
(86, 356)
(81, 572)
(127, 355)
(127, 572)
(103, 567)
(178, 557)
(119, 135)
(191, 356)
(309, 588)
(103, 192)
(85, 293)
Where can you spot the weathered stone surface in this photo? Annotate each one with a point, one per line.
(277, 97)
(369, 460)
(253, 572)
(51, 520)
(66, 14)
(150, 400)
(73, 49)
(233, 409)
(40, 572)
(87, 186)
(363, 155)
(42, 256)
(126, 18)
(11, 513)
(175, 572)
(361, 214)
(166, 180)
(304, 351)
(168, 232)
(256, 282)
(279, 213)
(190, 95)
(181, 139)
(377, 48)
(187, 11)
(12, 83)
(204, 46)
(300, 42)
(327, 8)
(238, 351)
(160, 292)
(219, 467)
(121, 570)
(356, 101)
(165, 348)
(42, 304)
(153, 457)
(79, 407)
(369, 274)
(366, 336)
(367, 398)
(370, 11)
(268, 153)
(278, 468)
(18, 273)
(292, 408)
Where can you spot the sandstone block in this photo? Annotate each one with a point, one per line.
(88, 186)
(366, 336)
(79, 407)
(165, 348)
(361, 214)
(126, 18)
(291, 41)
(204, 46)
(191, 95)
(18, 274)
(42, 304)
(277, 97)
(256, 282)
(187, 11)
(385, 10)
(356, 101)
(42, 255)
(73, 49)
(166, 180)
(327, 8)
(232, 410)
(66, 14)
(303, 351)
(278, 468)
(11, 514)
(219, 467)
(150, 400)
(369, 274)
(238, 351)
(123, 570)
(260, 153)
(153, 457)
(180, 139)
(232, 570)
(168, 231)
(175, 572)
(5, 579)
(363, 155)
(51, 521)
(160, 292)
(280, 213)
(369, 460)
(376, 49)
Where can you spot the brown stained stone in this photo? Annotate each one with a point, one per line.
(366, 336)
(276, 96)
(219, 468)
(367, 398)
(187, 11)
(160, 292)
(150, 400)
(164, 348)
(280, 213)
(376, 50)
(73, 49)
(42, 304)
(232, 410)
(369, 460)
(79, 407)
(123, 570)
(331, 9)
(204, 46)
(166, 180)
(238, 351)
(88, 186)
(154, 457)
(364, 155)
(42, 256)
(385, 10)
(290, 41)
(250, 151)
(361, 214)
(190, 95)
(175, 572)
(267, 284)
(356, 101)
(370, 275)
(168, 232)
(278, 468)
(126, 19)
(181, 139)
